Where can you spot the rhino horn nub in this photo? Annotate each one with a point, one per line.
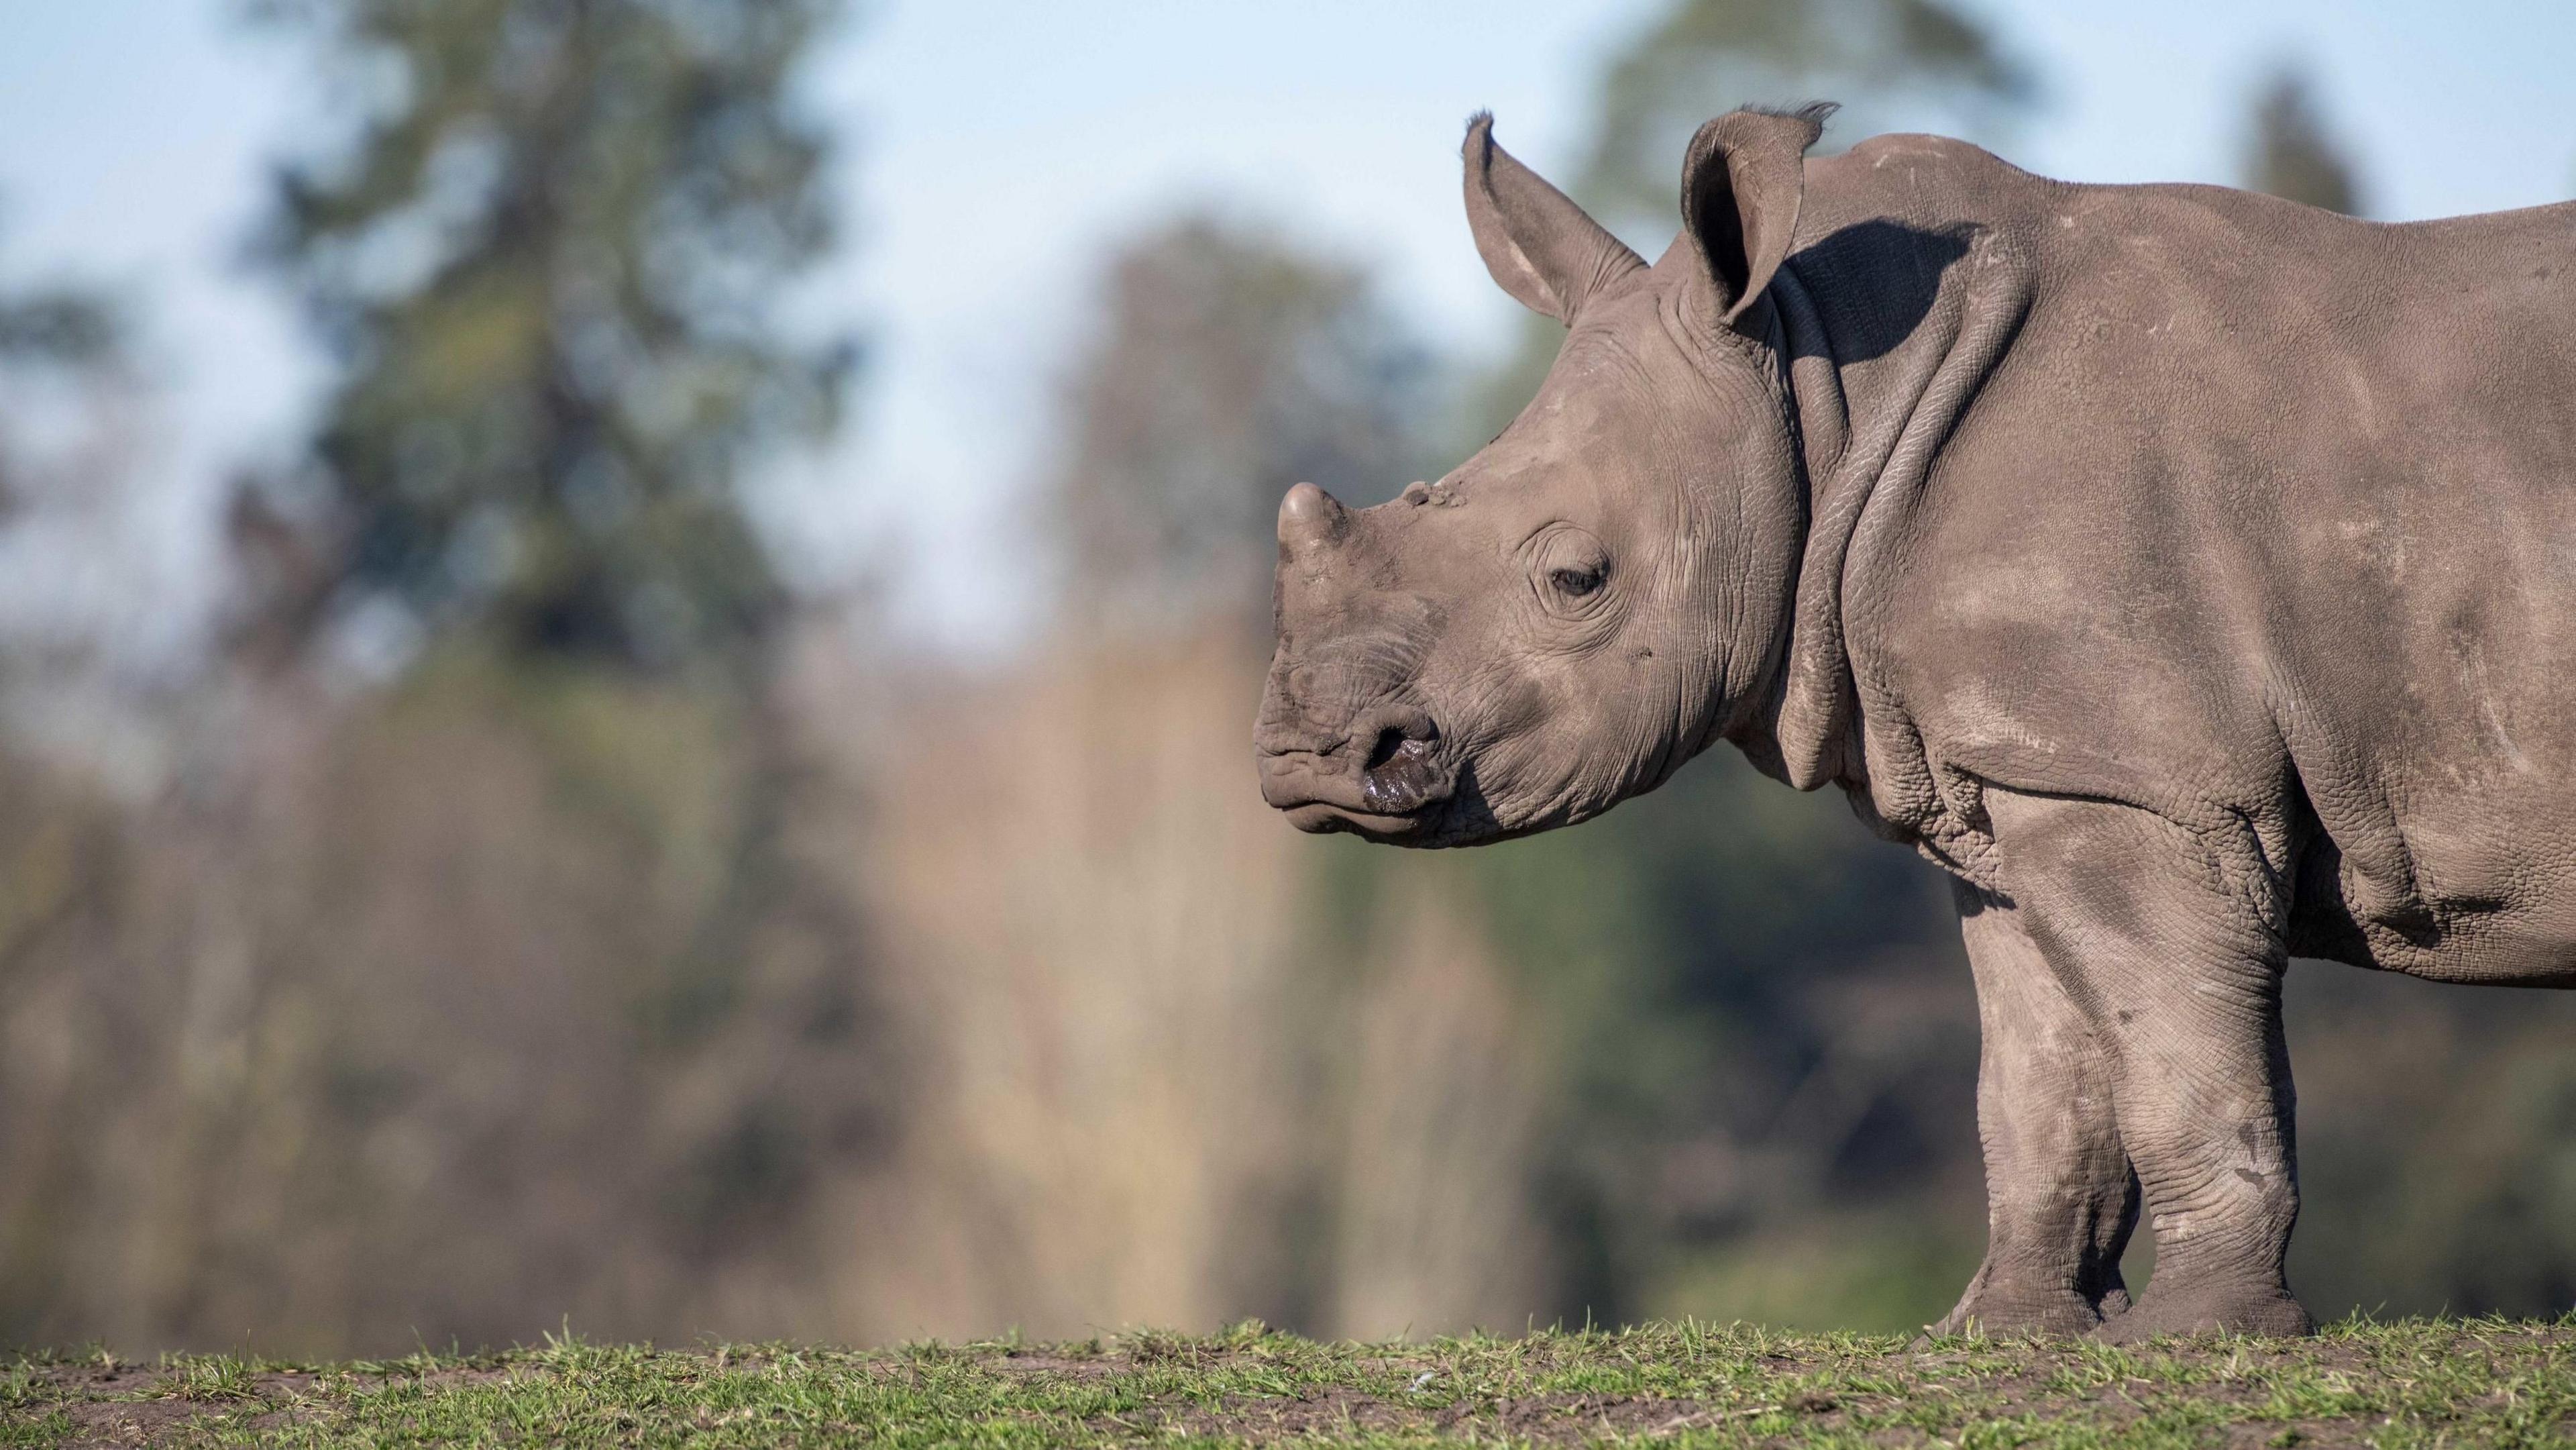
(1310, 518)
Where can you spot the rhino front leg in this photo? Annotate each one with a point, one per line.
(2173, 955)
(2060, 1197)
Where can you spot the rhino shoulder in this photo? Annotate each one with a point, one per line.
(1926, 179)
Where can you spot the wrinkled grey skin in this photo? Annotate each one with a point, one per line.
(2187, 572)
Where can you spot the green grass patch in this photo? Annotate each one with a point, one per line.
(2403, 1383)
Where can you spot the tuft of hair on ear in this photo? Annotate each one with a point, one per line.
(1481, 121)
(1814, 113)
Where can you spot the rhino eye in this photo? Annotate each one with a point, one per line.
(1575, 583)
(1568, 571)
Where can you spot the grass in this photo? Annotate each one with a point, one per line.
(2404, 1383)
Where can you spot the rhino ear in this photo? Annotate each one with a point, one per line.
(1539, 245)
(1742, 181)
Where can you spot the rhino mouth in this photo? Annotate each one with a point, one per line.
(1397, 791)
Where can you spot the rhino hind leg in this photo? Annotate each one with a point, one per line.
(2205, 1113)
(2169, 951)
(2060, 1196)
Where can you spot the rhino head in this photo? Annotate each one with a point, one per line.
(1604, 589)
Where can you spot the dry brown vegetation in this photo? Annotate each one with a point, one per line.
(498, 998)
(1161, 1093)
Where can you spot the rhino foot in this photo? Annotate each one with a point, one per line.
(2209, 1310)
(2002, 1310)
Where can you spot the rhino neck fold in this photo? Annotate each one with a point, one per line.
(1871, 419)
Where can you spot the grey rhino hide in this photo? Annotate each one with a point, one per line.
(2184, 570)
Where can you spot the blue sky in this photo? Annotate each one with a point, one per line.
(997, 148)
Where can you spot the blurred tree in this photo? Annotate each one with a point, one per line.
(1917, 62)
(51, 339)
(1226, 366)
(582, 925)
(2291, 153)
(85, 606)
(550, 257)
(1341, 1085)
(58, 328)
(548, 261)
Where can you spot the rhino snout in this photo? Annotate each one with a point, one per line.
(1384, 775)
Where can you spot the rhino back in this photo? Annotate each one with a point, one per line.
(2267, 516)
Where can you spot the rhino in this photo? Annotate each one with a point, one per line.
(2189, 573)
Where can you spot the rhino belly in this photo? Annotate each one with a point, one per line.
(2484, 889)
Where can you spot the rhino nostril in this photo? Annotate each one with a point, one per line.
(1400, 776)
(1410, 736)
(1389, 741)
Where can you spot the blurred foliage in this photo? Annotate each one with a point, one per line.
(1761, 1021)
(1225, 365)
(60, 346)
(77, 408)
(548, 260)
(2437, 1144)
(1349, 1090)
(1924, 63)
(58, 328)
(2292, 154)
(536, 982)
(428, 1016)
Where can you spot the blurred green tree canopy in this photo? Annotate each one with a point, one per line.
(549, 261)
